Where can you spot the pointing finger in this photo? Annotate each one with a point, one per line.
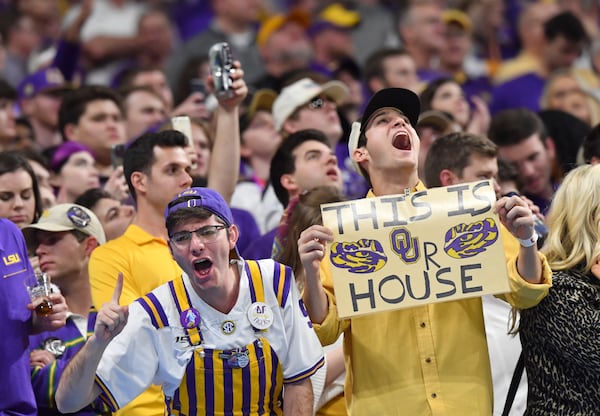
(118, 289)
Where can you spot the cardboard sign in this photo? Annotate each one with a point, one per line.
(399, 251)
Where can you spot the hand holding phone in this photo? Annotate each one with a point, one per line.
(221, 64)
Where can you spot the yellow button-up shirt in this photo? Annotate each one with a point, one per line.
(425, 360)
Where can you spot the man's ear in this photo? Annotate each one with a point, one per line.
(138, 180)
(375, 84)
(71, 132)
(289, 183)
(447, 177)
(234, 234)
(550, 148)
(90, 244)
(289, 126)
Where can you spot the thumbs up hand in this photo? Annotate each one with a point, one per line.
(112, 317)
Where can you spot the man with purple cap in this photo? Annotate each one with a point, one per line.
(230, 336)
(40, 97)
(424, 360)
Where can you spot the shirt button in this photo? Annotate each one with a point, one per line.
(427, 360)
(433, 395)
(422, 324)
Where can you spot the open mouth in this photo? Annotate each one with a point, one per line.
(332, 173)
(402, 141)
(202, 266)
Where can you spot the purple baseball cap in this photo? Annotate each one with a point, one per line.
(63, 152)
(48, 80)
(205, 198)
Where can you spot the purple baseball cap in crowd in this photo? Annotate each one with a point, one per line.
(205, 198)
(48, 80)
(63, 152)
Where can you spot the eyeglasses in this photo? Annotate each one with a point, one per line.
(318, 103)
(206, 234)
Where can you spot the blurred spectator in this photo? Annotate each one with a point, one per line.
(202, 141)
(567, 133)
(432, 124)
(331, 37)
(191, 85)
(508, 179)
(391, 68)
(8, 125)
(445, 94)
(259, 142)
(46, 17)
(41, 169)
(590, 148)
(109, 36)
(422, 32)
(350, 74)
(157, 34)
(21, 39)
(377, 29)
(565, 38)
(21, 202)
(566, 91)
(522, 140)
(234, 22)
(40, 96)
(92, 116)
(114, 216)
(457, 59)
(73, 171)
(154, 77)
(531, 34)
(143, 109)
(284, 46)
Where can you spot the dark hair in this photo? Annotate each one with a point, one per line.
(515, 125)
(75, 103)
(139, 156)
(508, 172)
(565, 24)
(374, 63)
(127, 77)
(7, 91)
(13, 160)
(426, 96)
(453, 152)
(90, 198)
(125, 92)
(284, 162)
(591, 145)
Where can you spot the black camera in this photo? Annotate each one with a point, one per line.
(221, 65)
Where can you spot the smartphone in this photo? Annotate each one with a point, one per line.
(117, 152)
(221, 64)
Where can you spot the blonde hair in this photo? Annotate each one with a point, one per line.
(574, 221)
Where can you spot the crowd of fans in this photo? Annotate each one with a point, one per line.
(89, 95)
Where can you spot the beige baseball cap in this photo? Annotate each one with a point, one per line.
(66, 217)
(301, 92)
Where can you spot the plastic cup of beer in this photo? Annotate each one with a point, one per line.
(39, 289)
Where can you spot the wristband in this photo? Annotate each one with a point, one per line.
(528, 242)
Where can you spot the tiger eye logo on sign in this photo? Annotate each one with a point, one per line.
(399, 251)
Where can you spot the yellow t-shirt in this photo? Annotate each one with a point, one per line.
(426, 360)
(146, 263)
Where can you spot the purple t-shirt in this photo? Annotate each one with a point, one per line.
(17, 396)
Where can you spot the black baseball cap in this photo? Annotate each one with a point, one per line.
(406, 101)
